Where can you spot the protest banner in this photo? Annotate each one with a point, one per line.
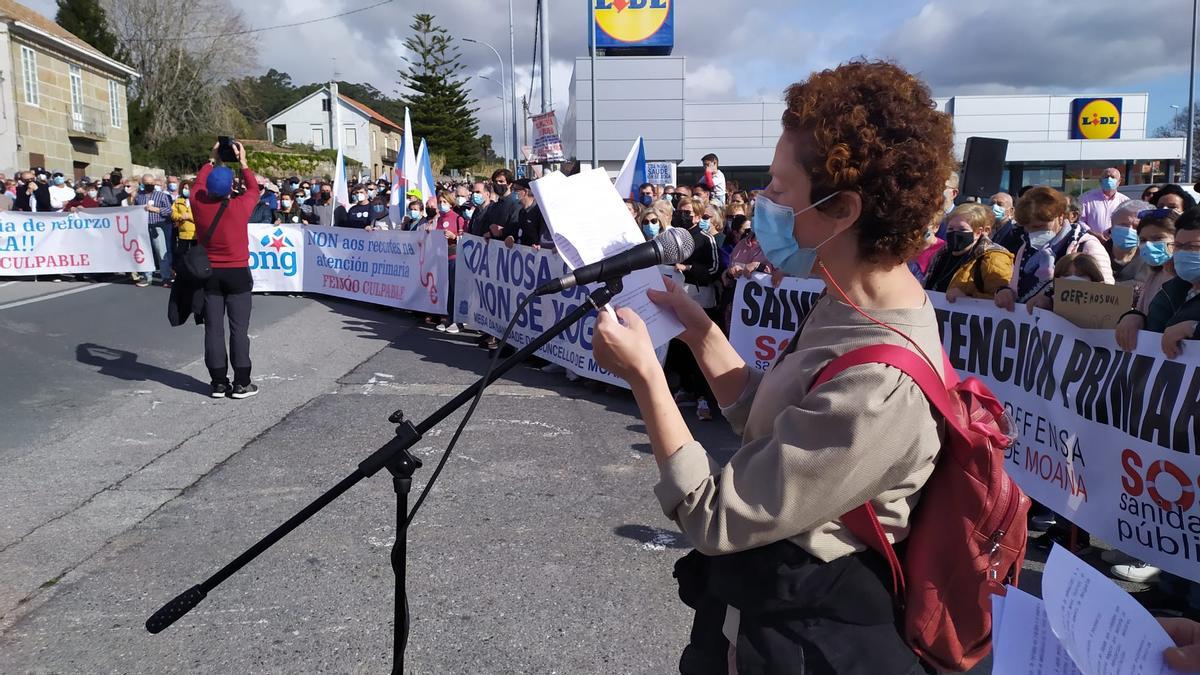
(1091, 304)
(91, 241)
(491, 281)
(660, 173)
(408, 270)
(547, 146)
(1106, 438)
(276, 258)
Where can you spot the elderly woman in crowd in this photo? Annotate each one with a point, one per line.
(970, 265)
(1122, 242)
(851, 197)
(1042, 213)
(1174, 197)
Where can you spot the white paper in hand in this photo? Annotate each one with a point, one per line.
(1101, 626)
(589, 222)
(1022, 640)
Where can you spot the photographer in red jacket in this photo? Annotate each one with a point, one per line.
(227, 291)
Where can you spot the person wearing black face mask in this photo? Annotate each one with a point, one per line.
(970, 265)
(502, 216)
(31, 195)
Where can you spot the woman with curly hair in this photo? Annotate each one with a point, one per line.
(778, 582)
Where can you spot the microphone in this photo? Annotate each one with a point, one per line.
(673, 245)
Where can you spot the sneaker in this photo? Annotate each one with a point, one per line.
(684, 399)
(1136, 571)
(703, 412)
(552, 369)
(453, 329)
(1115, 557)
(244, 390)
(572, 376)
(441, 328)
(140, 281)
(220, 389)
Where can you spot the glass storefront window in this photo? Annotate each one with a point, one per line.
(1044, 175)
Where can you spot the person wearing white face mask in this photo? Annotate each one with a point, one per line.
(60, 192)
(1042, 212)
(841, 205)
(1097, 205)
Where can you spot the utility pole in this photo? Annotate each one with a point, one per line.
(1191, 137)
(592, 42)
(512, 69)
(544, 19)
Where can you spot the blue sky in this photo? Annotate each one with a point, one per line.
(754, 48)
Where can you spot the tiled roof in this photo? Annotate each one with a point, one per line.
(365, 108)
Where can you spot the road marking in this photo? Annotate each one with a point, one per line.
(7, 283)
(51, 296)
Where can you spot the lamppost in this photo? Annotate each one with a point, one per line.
(511, 89)
(503, 114)
(1191, 150)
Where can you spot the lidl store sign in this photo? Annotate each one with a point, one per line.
(1096, 118)
(641, 26)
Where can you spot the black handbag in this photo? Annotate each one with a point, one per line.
(195, 265)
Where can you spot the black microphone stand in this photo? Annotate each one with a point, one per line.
(395, 457)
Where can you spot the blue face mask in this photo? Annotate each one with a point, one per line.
(1124, 237)
(414, 214)
(1154, 253)
(773, 228)
(670, 198)
(477, 199)
(1039, 240)
(1108, 183)
(998, 211)
(1187, 266)
(651, 230)
(705, 224)
(60, 180)
(647, 200)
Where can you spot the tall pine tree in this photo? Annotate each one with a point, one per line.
(439, 103)
(88, 21)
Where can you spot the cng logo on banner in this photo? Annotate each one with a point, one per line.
(634, 23)
(275, 252)
(1096, 118)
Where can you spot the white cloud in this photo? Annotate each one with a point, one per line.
(710, 82)
(1032, 44)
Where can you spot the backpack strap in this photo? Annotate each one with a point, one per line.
(862, 521)
(216, 219)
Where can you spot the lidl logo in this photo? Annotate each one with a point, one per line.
(1096, 118)
(630, 25)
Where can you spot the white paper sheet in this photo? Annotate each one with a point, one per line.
(1022, 641)
(1101, 626)
(589, 222)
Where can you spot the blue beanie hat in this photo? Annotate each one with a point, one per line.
(220, 181)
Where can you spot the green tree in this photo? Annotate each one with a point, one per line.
(88, 21)
(439, 103)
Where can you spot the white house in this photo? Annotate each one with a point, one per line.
(367, 136)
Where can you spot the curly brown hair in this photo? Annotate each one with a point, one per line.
(1041, 205)
(873, 128)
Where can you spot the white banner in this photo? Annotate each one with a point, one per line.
(277, 258)
(92, 241)
(491, 280)
(408, 270)
(1106, 438)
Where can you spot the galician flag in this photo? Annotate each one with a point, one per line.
(341, 190)
(633, 171)
(406, 165)
(424, 183)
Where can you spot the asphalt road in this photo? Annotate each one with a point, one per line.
(541, 549)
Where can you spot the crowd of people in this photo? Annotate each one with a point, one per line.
(1009, 249)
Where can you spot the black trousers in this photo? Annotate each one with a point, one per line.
(227, 293)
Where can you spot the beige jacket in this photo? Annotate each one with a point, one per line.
(808, 457)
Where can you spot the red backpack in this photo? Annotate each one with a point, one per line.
(967, 536)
